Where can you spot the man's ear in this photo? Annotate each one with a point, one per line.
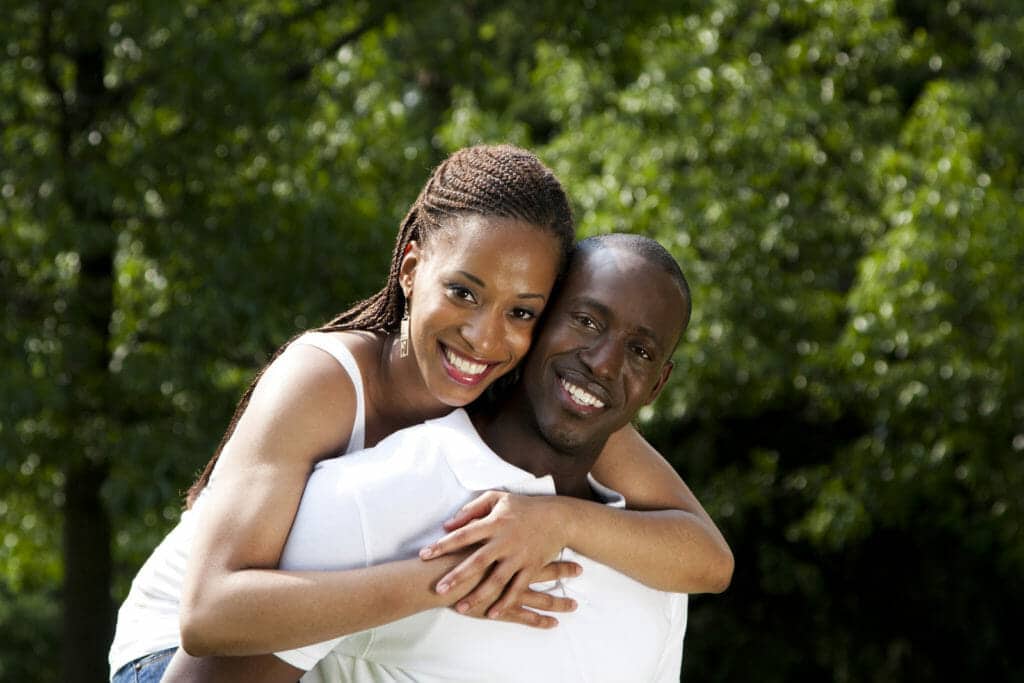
(666, 370)
(407, 270)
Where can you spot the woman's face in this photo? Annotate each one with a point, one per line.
(475, 292)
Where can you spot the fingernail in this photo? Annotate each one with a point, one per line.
(494, 614)
(572, 604)
(426, 553)
(443, 588)
(462, 607)
(577, 570)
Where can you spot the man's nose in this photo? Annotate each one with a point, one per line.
(604, 358)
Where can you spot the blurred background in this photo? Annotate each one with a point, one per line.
(186, 184)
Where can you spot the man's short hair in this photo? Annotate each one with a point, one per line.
(649, 249)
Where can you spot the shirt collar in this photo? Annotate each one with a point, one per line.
(478, 468)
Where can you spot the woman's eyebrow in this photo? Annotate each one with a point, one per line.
(483, 285)
(474, 278)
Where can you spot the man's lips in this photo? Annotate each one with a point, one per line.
(464, 369)
(586, 397)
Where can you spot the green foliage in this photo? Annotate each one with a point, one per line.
(185, 185)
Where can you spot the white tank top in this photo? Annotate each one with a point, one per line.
(148, 619)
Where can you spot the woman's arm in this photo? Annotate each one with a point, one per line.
(234, 601)
(665, 540)
(390, 590)
(301, 411)
(387, 591)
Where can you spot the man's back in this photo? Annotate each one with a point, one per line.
(386, 503)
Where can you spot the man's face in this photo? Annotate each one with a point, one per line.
(604, 349)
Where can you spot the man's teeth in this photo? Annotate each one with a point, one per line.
(463, 364)
(582, 396)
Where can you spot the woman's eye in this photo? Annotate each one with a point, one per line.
(523, 314)
(463, 293)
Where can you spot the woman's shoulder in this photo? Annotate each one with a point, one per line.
(355, 351)
(326, 363)
(306, 390)
(314, 368)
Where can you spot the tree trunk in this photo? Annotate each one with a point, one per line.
(88, 613)
(88, 623)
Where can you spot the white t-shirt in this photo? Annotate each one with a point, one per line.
(387, 502)
(148, 619)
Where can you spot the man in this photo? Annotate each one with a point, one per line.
(602, 354)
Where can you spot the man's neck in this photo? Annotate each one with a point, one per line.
(511, 432)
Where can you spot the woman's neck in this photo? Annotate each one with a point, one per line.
(397, 395)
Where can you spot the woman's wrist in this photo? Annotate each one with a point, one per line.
(563, 519)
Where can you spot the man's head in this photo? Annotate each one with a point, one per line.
(605, 348)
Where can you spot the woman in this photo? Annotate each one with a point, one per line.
(473, 267)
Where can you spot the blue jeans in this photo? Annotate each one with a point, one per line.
(148, 669)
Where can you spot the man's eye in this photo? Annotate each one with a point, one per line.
(642, 352)
(586, 321)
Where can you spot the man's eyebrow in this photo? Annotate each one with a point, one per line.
(649, 333)
(585, 300)
(483, 285)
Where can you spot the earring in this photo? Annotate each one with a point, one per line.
(403, 334)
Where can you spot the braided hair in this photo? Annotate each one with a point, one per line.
(499, 180)
(489, 180)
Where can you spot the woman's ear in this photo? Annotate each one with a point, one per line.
(407, 270)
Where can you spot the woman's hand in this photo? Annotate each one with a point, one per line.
(519, 539)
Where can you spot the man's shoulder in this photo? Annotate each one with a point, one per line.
(414, 451)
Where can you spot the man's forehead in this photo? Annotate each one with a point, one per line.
(628, 286)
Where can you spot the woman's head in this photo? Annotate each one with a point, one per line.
(500, 215)
(474, 291)
(494, 212)
(498, 181)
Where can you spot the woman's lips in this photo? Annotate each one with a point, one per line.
(463, 369)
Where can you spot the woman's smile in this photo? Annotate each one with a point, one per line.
(464, 369)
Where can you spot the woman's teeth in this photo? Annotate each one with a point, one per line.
(582, 396)
(463, 364)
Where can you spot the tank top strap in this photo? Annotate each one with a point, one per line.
(329, 343)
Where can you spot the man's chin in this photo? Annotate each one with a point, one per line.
(567, 441)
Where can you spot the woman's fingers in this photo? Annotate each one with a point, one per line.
(511, 596)
(544, 601)
(521, 615)
(480, 599)
(475, 509)
(553, 571)
(518, 593)
(469, 572)
(459, 539)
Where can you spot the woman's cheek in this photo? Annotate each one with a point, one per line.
(519, 341)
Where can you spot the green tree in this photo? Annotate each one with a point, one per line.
(185, 185)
